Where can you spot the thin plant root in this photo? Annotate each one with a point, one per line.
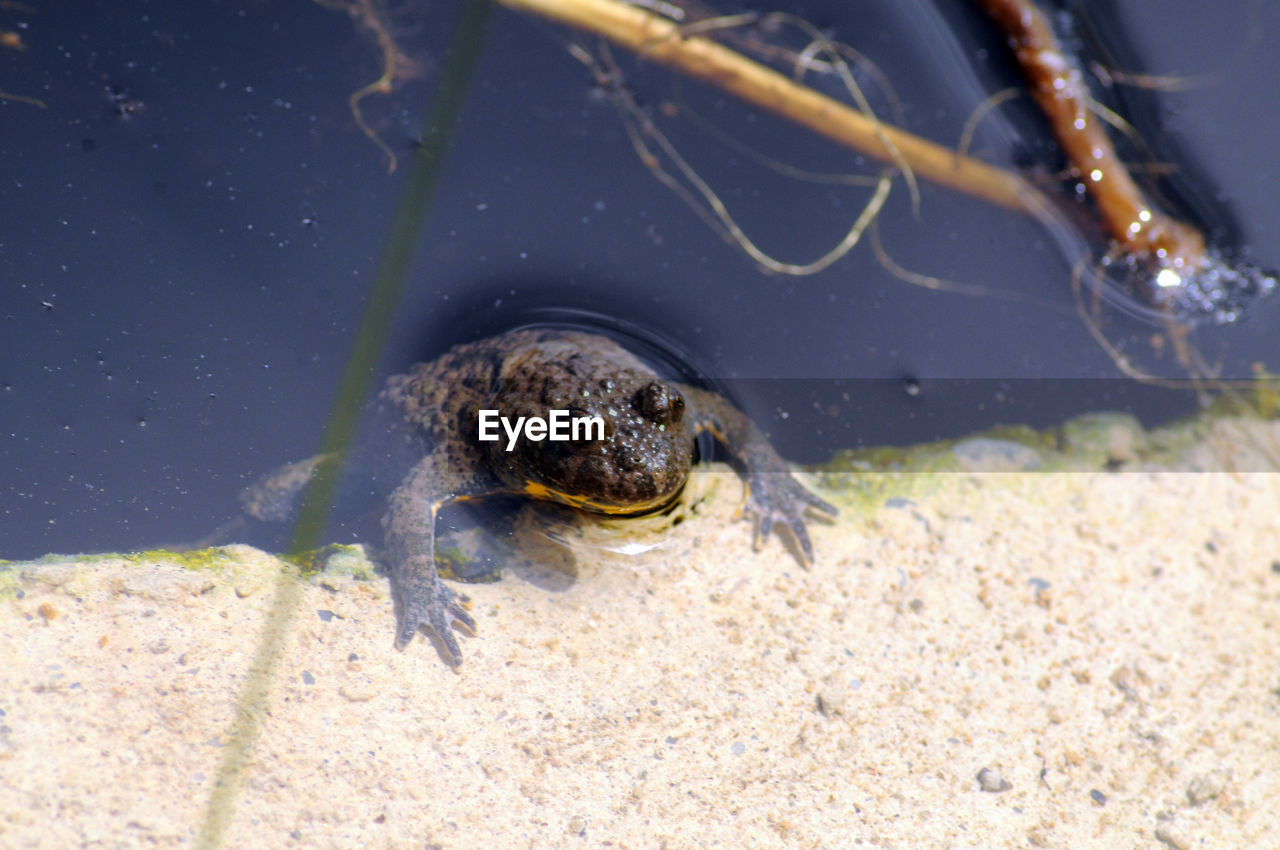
(666, 42)
(819, 46)
(975, 118)
(1251, 27)
(22, 98)
(395, 65)
(1155, 82)
(12, 40)
(786, 170)
(800, 63)
(925, 281)
(706, 203)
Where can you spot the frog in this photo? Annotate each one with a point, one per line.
(637, 460)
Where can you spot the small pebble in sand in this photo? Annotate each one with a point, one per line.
(1168, 835)
(991, 781)
(983, 454)
(1206, 787)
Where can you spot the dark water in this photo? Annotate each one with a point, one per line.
(190, 227)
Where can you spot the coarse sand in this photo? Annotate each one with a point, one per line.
(977, 659)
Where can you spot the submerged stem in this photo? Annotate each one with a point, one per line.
(667, 43)
(1161, 264)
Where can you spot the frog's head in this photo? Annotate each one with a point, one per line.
(631, 450)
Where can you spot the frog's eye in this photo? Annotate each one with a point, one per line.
(677, 408)
(658, 403)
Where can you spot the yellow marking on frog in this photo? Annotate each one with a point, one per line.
(586, 503)
(712, 430)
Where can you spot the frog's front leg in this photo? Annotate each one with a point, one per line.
(409, 526)
(774, 493)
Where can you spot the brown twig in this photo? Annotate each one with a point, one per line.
(1158, 260)
(666, 43)
(1058, 86)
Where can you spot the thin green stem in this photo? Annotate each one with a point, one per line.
(353, 389)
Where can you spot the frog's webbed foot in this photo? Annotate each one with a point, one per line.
(410, 522)
(777, 497)
(773, 493)
(425, 600)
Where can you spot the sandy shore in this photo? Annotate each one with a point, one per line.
(977, 659)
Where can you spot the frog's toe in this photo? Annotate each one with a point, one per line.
(782, 500)
(794, 526)
(812, 501)
(801, 535)
(764, 525)
(438, 607)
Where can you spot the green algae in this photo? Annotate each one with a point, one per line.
(332, 560)
(10, 582)
(861, 480)
(1259, 399)
(335, 559)
(215, 559)
(239, 569)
